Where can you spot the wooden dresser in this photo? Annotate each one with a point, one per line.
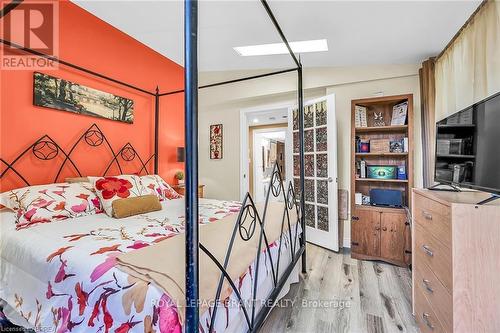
(456, 262)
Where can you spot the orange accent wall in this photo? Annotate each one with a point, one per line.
(89, 42)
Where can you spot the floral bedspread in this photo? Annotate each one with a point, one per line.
(61, 276)
(74, 262)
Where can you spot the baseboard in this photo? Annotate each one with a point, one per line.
(346, 242)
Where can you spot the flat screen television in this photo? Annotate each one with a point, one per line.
(468, 147)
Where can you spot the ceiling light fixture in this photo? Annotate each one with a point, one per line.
(256, 120)
(318, 45)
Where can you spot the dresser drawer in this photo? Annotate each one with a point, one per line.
(427, 320)
(430, 251)
(439, 298)
(434, 217)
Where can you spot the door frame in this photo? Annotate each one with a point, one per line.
(252, 130)
(244, 142)
(316, 236)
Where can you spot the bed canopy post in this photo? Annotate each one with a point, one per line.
(157, 129)
(301, 126)
(302, 165)
(191, 138)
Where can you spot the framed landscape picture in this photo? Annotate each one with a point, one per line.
(216, 142)
(59, 94)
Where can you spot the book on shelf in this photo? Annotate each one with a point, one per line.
(360, 116)
(399, 112)
(405, 145)
(362, 166)
(402, 172)
(396, 146)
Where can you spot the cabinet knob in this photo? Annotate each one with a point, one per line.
(427, 250)
(427, 285)
(377, 228)
(384, 228)
(427, 216)
(425, 317)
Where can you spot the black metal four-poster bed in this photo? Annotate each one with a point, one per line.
(248, 210)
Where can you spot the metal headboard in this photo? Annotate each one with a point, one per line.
(46, 148)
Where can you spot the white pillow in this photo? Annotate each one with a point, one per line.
(159, 187)
(51, 202)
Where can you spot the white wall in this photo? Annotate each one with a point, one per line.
(222, 177)
(222, 105)
(251, 91)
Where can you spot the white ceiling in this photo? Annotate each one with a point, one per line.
(358, 32)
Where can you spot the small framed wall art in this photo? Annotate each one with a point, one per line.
(216, 142)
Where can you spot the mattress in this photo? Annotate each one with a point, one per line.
(61, 276)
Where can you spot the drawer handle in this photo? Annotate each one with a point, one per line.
(425, 317)
(427, 216)
(427, 285)
(427, 250)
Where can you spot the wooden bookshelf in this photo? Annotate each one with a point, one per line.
(381, 233)
(383, 209)
(382, 180)
(381, 154)
(378, 129)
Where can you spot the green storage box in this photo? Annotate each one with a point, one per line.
(382, 171)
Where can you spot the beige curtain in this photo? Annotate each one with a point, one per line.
(427, 101)
(469, 70)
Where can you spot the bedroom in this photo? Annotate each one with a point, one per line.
(93, 107)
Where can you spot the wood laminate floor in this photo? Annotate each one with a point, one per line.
(340, 294)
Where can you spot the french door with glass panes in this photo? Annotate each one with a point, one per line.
(320, 189)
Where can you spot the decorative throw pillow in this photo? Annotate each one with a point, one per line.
(154, 184)
(7, 202)
(109, 189)
(52, 202)
(135, 206)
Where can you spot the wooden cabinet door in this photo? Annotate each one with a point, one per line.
(392, 236)
(365, 232)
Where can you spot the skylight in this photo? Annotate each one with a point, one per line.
(318, 45)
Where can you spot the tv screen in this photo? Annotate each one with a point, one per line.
(468, 147)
